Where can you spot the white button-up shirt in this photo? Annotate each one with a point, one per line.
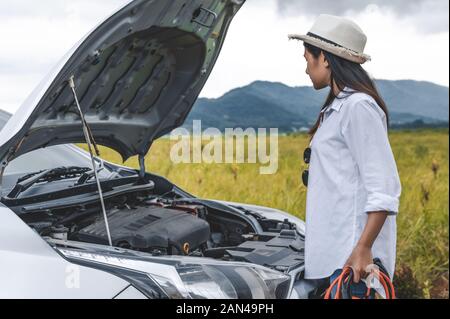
(352, 172)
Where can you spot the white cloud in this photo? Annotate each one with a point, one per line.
(399, 51)
(429, 16)
(257, 48)
(36, 34)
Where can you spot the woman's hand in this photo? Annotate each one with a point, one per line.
(360, 258)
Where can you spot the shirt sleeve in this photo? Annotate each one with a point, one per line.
(365, 133)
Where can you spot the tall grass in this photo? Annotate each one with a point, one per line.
(422, 159)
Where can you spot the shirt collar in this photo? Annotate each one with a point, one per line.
(339, 101)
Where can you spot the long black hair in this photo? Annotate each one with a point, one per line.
(345, 73)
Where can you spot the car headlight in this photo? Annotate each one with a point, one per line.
(177, 279)
(222, 281)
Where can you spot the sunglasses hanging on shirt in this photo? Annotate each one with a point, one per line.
(306, 159)
(307, 152)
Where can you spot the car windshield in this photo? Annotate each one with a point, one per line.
(46, 158)
(43, 159)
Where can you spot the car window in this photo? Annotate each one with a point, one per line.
(46, 158)
(42, 159)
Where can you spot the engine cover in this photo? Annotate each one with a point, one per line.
(282, 251)
(149, 228)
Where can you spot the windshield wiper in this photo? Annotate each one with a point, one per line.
(88, 174)
(48, 175)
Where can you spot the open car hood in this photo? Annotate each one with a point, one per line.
(137, 76)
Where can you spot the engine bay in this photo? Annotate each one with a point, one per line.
(150, 229)
(154, 219)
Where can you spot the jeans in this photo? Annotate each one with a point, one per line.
(358, 290)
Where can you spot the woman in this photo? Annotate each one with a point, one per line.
(353, 183)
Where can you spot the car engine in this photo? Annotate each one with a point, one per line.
(149, 229)
(160, 222)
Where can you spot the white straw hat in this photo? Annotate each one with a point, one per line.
(339, 36)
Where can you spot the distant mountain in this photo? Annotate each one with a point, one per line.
(268, 104)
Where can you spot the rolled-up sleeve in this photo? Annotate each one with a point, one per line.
(365, 134)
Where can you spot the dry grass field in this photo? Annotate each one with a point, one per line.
(423, 163)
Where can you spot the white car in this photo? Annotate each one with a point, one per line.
(136, 77)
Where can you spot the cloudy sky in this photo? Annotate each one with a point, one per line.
(408, 39)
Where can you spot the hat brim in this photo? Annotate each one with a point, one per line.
(344, 53)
